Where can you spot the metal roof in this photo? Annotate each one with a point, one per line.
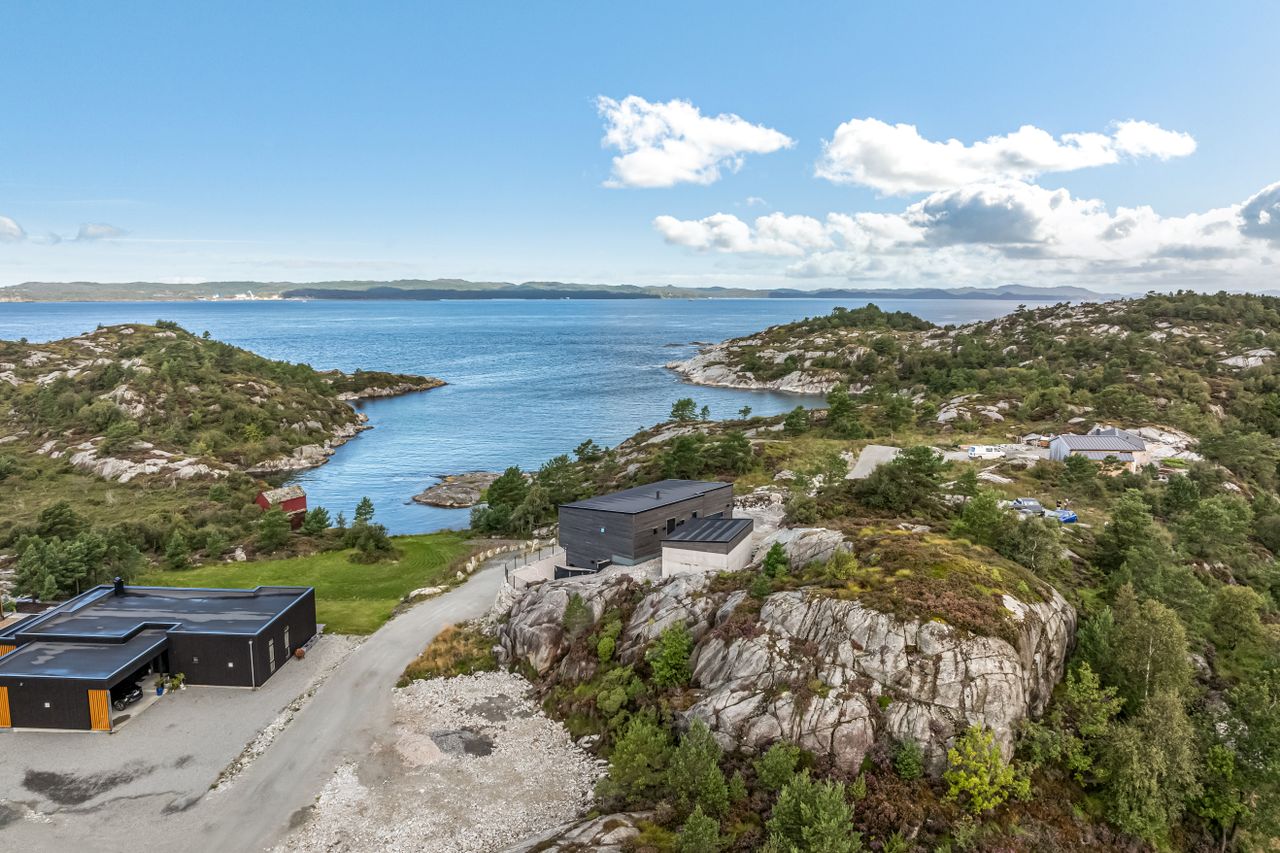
(641, 498)
(103, 662)
(710, 530)
(1100, 442)
(101, 615)
(1102, 455)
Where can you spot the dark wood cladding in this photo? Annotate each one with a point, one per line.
(243, 660)
(590, 535)
(68, 702)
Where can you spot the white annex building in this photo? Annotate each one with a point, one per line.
(707, 545)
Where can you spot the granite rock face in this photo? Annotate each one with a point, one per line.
(829, 674)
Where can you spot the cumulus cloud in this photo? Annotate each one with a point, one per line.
(11, 231)
(98, 231)
(1260, 214)
(664, 144)
(1000, 232)
(896, 159)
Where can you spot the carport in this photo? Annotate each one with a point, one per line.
(63, 685)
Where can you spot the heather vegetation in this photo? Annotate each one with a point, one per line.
(146, 440)
(1165, 732)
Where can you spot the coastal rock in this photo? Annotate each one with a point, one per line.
(604, 834)
(832, 675)
(710, 367)
(457, 490)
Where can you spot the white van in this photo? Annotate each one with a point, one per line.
(985, 451)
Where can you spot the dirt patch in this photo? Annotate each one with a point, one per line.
(463, 742)
(499, 709)
(70, 789)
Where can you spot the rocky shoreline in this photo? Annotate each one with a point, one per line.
(423, 383)
(457, 491)
(710, 367)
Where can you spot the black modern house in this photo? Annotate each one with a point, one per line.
(627, 527)
(59, 670)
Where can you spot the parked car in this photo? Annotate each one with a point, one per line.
(1066, 516)
(1027, 506)
(985, 451)
(123, 697)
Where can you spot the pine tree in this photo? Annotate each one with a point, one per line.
(177, 555)
(273, 529)
(694, 777)
(364, 511)
(700, 833)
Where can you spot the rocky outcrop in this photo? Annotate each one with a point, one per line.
(605, 834)
(457, 490)
(312, 455)
(87, 457)
(395, 390)
(825, 672)
(712, 366)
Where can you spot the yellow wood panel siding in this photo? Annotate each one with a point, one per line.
(5, 721)
(99, 711)
(5, 649)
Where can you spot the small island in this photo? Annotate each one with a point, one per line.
(457, 491)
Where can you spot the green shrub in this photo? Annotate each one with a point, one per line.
(812, 817)
(577, 616)
(669, 657)
(700, 833)
(777, 766)
(908, 760)
(694, 777)
(638, 762)
(977, 775)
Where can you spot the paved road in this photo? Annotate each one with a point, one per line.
(339, 724)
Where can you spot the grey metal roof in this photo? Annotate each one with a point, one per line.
(641, 498)
(1100, 442)
(100, 614)
(1102, 455)
(104, 662)
(710, 530)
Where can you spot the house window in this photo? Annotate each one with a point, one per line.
(695, 513)
(286, 639)
(671, 524)
(231, 664)
(195, 659)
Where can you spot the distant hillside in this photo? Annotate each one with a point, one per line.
(445, 288)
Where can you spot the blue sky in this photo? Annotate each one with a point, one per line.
(307, 141)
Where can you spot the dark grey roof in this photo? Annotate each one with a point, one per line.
(641, 498)
(1102, 455)
(102, 662)
(100, 614)
(1100, 442)
(710, 530)
(1121, 434)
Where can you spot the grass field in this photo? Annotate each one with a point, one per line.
(350, 598)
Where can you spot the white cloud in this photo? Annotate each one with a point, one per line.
(11, 231)
(1260, 214)
(896, 159)
(99, 231)
(673, 143)
(1000, 232)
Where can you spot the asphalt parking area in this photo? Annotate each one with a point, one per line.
(162, 762)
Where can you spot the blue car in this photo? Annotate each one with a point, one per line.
(1066, 516)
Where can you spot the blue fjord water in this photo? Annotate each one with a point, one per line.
(528, 379)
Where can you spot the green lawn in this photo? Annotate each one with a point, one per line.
(350, 598)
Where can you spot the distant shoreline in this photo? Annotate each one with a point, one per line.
(454, 290)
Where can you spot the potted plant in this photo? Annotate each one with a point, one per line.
(178, 681)
(159, 685)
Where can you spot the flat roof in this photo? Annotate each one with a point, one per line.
(102, 615)
(1100, 442)
(83, 661)
(641, 498)
(710, 530)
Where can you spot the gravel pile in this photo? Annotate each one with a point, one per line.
(470, 765)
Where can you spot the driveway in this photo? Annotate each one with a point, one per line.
(149, 783)
(871, 458)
